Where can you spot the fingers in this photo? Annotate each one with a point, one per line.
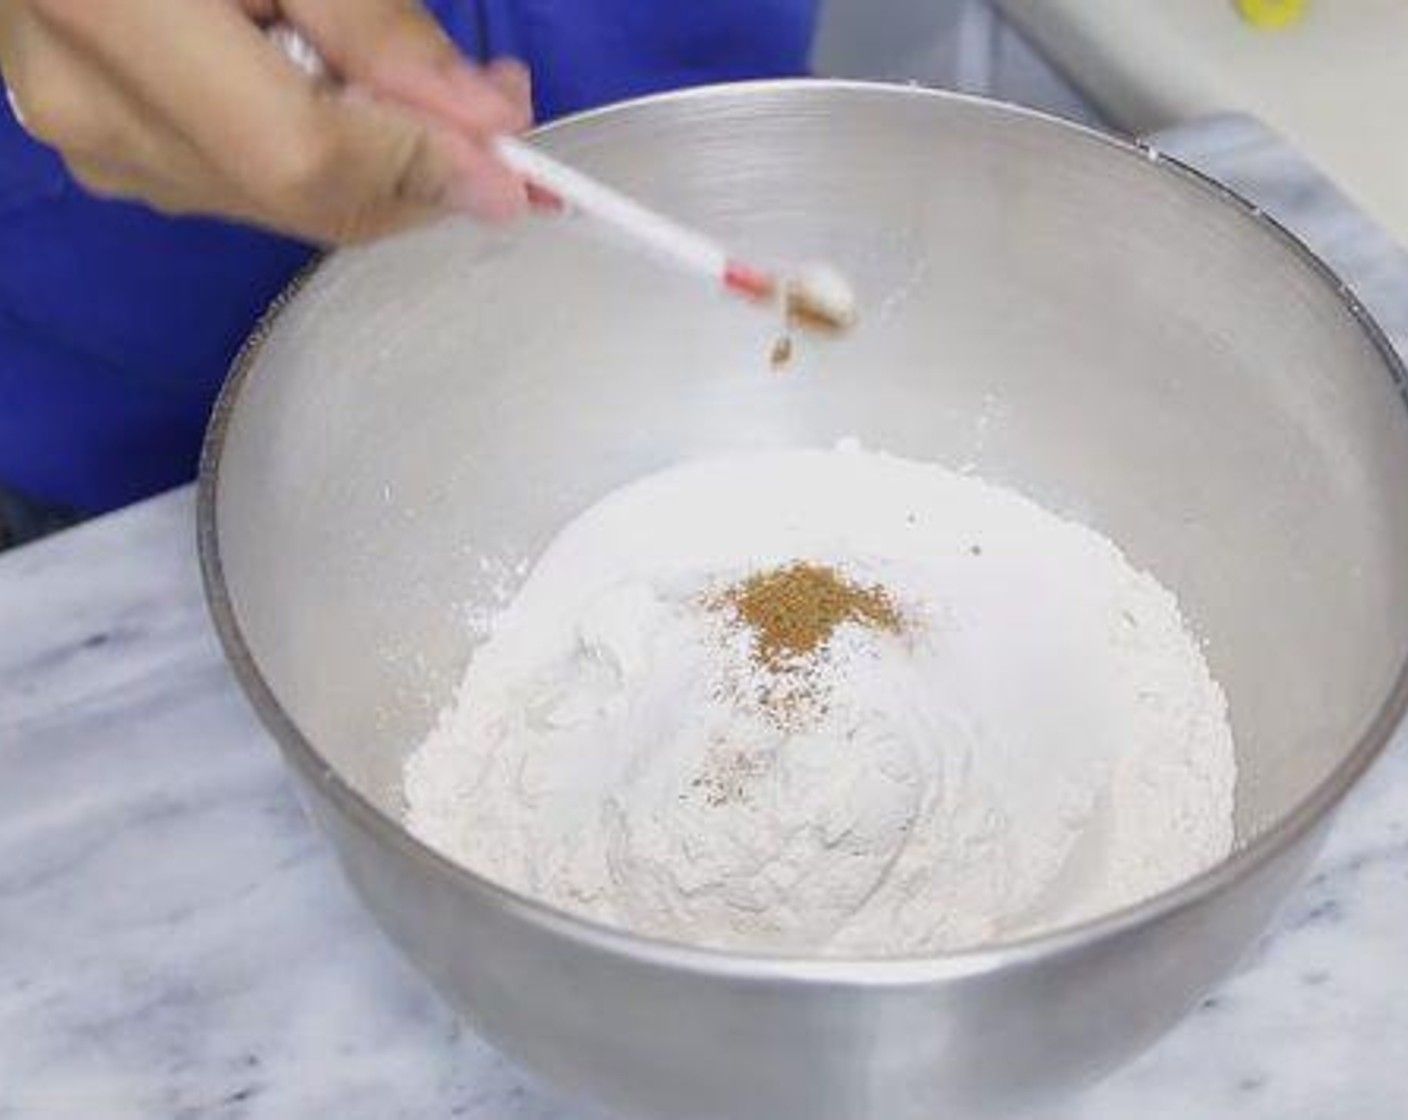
(189, 107)
(287, 154)
(395, 48)
(513, 80)
(383, 170)
(202, 70)
(108, 142)
(394, 45)
(483, 187)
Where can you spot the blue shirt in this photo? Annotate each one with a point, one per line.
(117, 324)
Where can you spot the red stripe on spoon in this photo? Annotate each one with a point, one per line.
(749, 281)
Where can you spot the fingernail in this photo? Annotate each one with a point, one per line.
(542, 199)
(489, 205)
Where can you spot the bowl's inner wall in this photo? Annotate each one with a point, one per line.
(1105, 334)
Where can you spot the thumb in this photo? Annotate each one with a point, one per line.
(382, 169)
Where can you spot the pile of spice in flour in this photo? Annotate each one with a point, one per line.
(788, 615)
(774, 658)
(794, 610)
(831, 703)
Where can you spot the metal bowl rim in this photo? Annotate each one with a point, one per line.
(1292, 826)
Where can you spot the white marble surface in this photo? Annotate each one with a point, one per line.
(175, 941)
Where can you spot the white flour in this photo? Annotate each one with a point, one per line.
(1043, 744)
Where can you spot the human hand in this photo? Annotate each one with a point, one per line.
(192, 109)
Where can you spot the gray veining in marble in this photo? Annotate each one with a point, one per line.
(175, 941)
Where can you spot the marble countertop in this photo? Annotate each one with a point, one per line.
(175, 940)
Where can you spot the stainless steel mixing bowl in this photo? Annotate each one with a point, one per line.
(1104, 329)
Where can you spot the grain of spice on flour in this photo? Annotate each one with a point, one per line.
(831, 702)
